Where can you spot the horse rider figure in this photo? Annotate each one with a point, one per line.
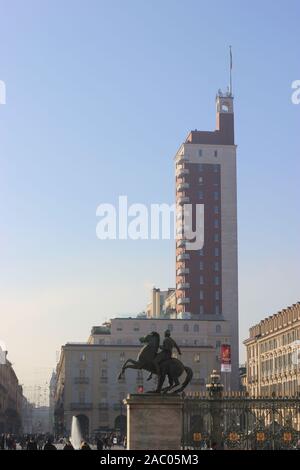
(166, 352)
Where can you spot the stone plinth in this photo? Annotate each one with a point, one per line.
(154, 422)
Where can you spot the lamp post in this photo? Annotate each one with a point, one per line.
(215, 391)
(121, 418)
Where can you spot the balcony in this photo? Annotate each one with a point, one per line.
(183, 286)
(183, 300)
(182, 271)
(182, 159)
(103, 406)
(81, 406)
(181, 243)
(182, 187)
(81, 380)
(183, 200)
(183, 257)
(182, 172)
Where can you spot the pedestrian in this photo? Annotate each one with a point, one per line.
(85, 446)
(68, 446)
(99, 443)
(49, 445)
(31, 444)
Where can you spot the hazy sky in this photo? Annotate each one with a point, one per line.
(100, 94)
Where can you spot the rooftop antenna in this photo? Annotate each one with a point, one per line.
(230, 71)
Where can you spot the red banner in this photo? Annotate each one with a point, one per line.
(225, 358)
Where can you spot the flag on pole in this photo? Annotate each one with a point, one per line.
(230, 58)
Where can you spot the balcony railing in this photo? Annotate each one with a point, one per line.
(183, 257)
(182, 172)
(183, 300)
(103, 406)
(182, 187)
(183, 285)
(182, 159)
(81, 380)
(182, 271)
(183, 200)
(81, 406)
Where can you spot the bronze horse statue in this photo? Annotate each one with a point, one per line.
(171, 368)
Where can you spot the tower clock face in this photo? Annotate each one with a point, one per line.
(225, 108)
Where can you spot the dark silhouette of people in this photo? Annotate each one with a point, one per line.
(68, 446)
(49, 445)
(85, 446)
(31, 444)
(99, 444)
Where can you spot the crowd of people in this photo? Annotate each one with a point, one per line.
(47, 442)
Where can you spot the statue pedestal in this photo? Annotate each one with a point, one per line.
(154, 422)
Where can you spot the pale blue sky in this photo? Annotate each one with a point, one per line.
(100, 94)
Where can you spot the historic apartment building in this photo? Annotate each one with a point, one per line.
(207, 278)
(273, 354)
(11, 400)
(86, 375)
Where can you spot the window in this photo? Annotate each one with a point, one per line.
(139, 377)
(215, 153)
(217, 295)
(103, 373)
(200, 153)
(201, 252)
(216, 223)
(217, 280)
(216, 251)
(201, 266)
(197, 357)
(216, 195)
(104, 357)
(216, 209)
(216, 168)
(200, 167)
(201, 295)
(196, 328)
(200, 195)
(218, 328)
(201, 310)
(82, 373)
(186, 328)
(201, 179)
(201, 279)
(122, 357)
(216, 237)
(82, 357)
(216, 265)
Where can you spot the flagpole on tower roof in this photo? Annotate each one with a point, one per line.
(230, 71)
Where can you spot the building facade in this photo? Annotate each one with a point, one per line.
(207, 278)
(163, 303)
(86, 375)
(273, 354)
(11, 400)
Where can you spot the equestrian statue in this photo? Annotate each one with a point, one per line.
(160, 363)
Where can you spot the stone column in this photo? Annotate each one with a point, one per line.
(154, 422)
